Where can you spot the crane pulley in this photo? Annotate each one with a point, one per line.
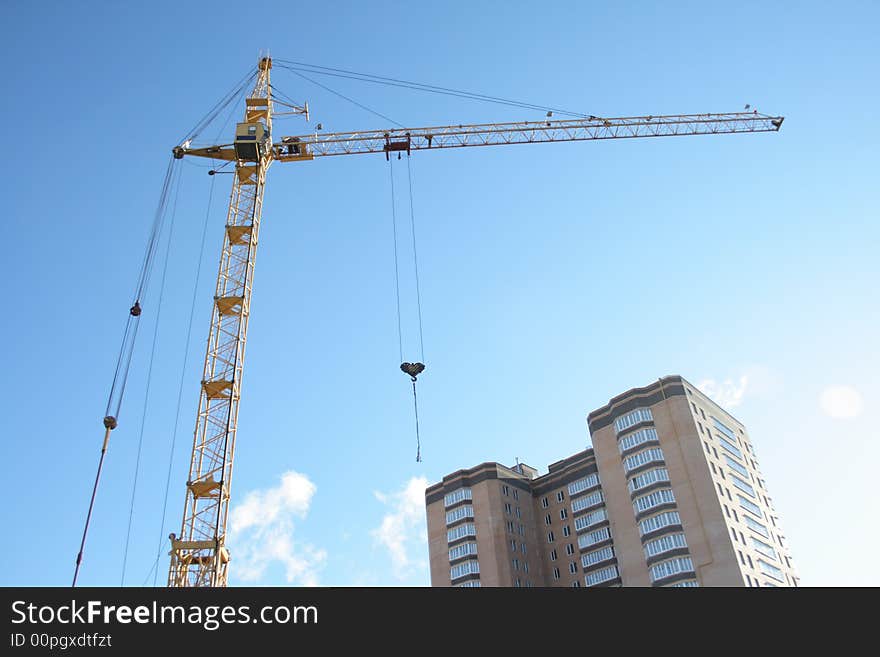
(199, 554)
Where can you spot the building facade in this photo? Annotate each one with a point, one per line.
(670, 494)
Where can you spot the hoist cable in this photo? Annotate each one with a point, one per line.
(412, 218)
(192, 311)
(396, 267)
(416, 408)
(354, 102)
(149, 378)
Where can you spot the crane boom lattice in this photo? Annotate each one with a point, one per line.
(199, 556)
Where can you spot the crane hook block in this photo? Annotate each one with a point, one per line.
(135, 310)
(413, 369)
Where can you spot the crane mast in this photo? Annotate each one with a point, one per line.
(199, 556)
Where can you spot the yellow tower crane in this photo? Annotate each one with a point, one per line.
(199, 556)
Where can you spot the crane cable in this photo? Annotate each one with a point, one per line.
(412, 369)
(126, 350)
(176, 186)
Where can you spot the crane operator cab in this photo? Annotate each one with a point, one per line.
(252, 141)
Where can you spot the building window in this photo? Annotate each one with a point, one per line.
(507, 507)
(770, 570)
(586, 540)
(751, 565)
(646, 479)
(702, 431)
(521, 530)
(630, 419)
(580, 503)
(560, 496)
(706, 445)
(505, 489)
(472, 583)
(516, 564)
(750, 506)
(688, 583)
(563, 514)
(513, 544)
(756, 526)
(572, 567)
(465, 568)
(462, 550)
(702, 413)
(743, 486)
(713, 467)
(576, 584)
(630, 463)
(737, 467)
(566, 531)
(590, 519)
(599, 576)
(457, 496)
(550, 537)
(637, 438)
(569, 549)
(671, 567)
(715, 452)
(517, 584)
(556, 573)
(730, 447)
(659, 521)
(510, 526)
(465, 529)
(733, 533)
(665, 544)
(726, 510)
(651, 500)
(544, 502)
(518, 513)
(515, 494)
(735, 517)
(522, 548)
(553, 555)
(465, 511)
(581, 485)
(694, 406)
(597, 556)
(741, 557)
(547, 519)
(723, 428)
(763, 548)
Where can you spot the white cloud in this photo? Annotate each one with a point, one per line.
(261, 533)
(403, 531)
(841, 402)
(727, 393)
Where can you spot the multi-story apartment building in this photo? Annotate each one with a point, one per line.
(670, 494)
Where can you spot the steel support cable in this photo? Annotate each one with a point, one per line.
(412, 219)
(219, 106)
(154, 570)
(149, 378)
(126, 350)
(418, 86)
(354, 102)
(396, 267)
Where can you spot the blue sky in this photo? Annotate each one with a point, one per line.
(553, 277)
